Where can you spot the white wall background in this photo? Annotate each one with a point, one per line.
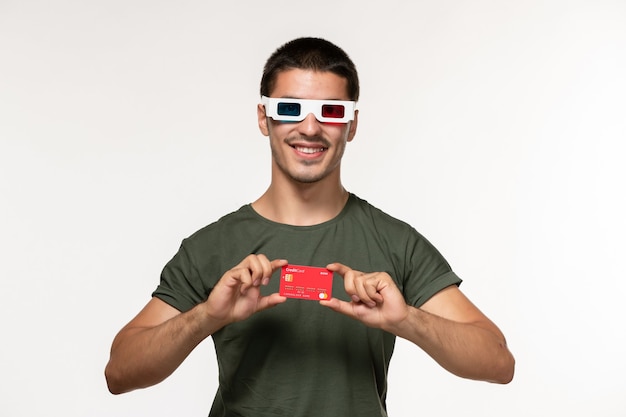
(494, 127)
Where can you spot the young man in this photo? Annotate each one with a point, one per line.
(280, 356)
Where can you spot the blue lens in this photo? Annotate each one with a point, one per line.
(288, 109)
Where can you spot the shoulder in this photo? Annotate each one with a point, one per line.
(362, 210)
(228, 228)
(239, 217)
(395, 232)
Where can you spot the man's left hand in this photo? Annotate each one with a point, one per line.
(376, 300)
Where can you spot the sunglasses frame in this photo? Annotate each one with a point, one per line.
(307, 107)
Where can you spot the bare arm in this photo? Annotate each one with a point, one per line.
(448, 326)
(149, 348)
(153, 345)
(459, 337)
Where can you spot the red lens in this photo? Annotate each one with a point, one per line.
(333, 111)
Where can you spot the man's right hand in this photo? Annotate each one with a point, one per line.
(154, 343)
(237, 295)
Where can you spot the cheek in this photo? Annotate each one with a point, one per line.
(271, 129)
(340, 130)
(281, 128)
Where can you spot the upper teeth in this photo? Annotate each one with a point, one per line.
(309, 150)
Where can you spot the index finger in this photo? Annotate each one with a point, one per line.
(260, 267)
(274, 265)
(278, 263)
(347, 274)
(339, 268)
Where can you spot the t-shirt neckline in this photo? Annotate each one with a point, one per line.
(336, 219)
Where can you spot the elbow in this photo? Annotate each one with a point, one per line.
(510, 372)
(120, 379)
(504, 366)
(505, 370)
(114, 382)
(114, 389)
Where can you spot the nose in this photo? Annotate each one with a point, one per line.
(309, 126)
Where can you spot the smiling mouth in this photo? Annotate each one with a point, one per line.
(308, 150)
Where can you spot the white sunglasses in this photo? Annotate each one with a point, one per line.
(296, 110)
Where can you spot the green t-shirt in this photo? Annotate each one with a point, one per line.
(299, 358)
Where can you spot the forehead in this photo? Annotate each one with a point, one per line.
(309, 84)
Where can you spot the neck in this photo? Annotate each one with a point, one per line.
(302, 204)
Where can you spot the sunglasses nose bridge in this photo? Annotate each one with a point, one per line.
(309, 125)
(308, 112)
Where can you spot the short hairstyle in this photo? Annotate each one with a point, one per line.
(310, 54)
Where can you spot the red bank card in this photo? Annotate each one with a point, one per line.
(306, 282)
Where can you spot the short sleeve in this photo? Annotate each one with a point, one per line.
(427, 272)
(181, 285)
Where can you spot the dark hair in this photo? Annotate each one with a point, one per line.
(310, 54)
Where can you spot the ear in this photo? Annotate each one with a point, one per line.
(260, 113)
(353, 125)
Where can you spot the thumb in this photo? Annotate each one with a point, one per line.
(338, 305)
